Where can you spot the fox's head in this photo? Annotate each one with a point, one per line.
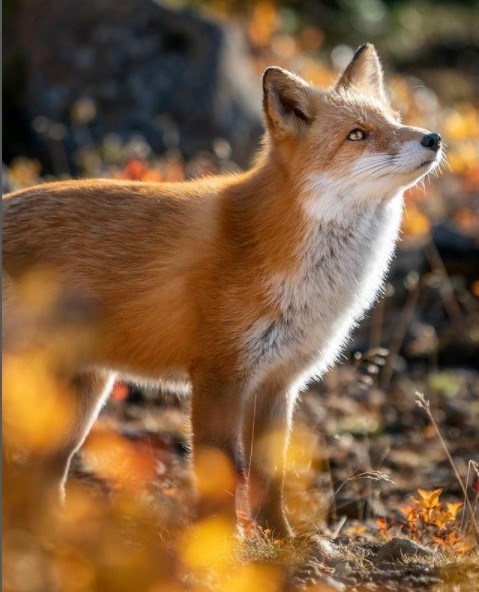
(344, 146)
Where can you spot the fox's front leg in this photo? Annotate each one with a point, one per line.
(266, 432)
(216, 452)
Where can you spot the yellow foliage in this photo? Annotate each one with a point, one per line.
(24, 172)
(428, 499)
(264, 22)
(208, 544)
(36, 411)
(462, 123)
(415, 223)
(254, 577)
(214, 474)
(463, 159)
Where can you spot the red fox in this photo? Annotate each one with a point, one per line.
(242, 286)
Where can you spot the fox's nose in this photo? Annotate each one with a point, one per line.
(432, 141)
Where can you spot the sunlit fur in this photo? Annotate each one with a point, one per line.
(242, 286)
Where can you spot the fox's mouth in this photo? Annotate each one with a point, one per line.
(421, 168)
(431, 163)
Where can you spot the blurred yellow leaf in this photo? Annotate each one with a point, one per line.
(298, 457)
(463, 159)
(317, 74)
(415, 222)
(264, 578)
(214, 474)
(37, 413)
(165, 587)
(264, 22)
(208, 544)
(72, 570)
(462, 122)
(24, 172)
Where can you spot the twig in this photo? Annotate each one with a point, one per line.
(422, 402)
(374, 475)
(475, 466)
(461, 528)
(339, 526)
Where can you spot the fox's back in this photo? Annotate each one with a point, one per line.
(62, 225)
(120, 252)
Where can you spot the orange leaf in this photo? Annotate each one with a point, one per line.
(440, 519)
(430, 499)
(408, 510)
(383, 525)
(453, 509)
(439, 541)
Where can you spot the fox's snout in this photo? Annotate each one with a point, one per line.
(432, 141)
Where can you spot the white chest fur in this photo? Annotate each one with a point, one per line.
(342, 270)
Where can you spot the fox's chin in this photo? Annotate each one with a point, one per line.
(422, 170)
(428, 165)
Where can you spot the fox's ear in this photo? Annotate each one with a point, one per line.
(364, 73)
(287, 102)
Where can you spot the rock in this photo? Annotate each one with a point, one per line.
(451, 242)
(458, 250)
(397, 549)
(134, 67)
(328, 584)
(324, 550)
(312, 573)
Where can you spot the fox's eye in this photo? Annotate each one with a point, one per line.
(357, 134)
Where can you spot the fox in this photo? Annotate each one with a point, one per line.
(239, 288)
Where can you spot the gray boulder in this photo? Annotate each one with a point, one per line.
(136, 67)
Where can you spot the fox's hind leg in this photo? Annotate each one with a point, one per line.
(48, 423)
(88, 392)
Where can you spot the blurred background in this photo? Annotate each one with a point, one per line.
(167, 91)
